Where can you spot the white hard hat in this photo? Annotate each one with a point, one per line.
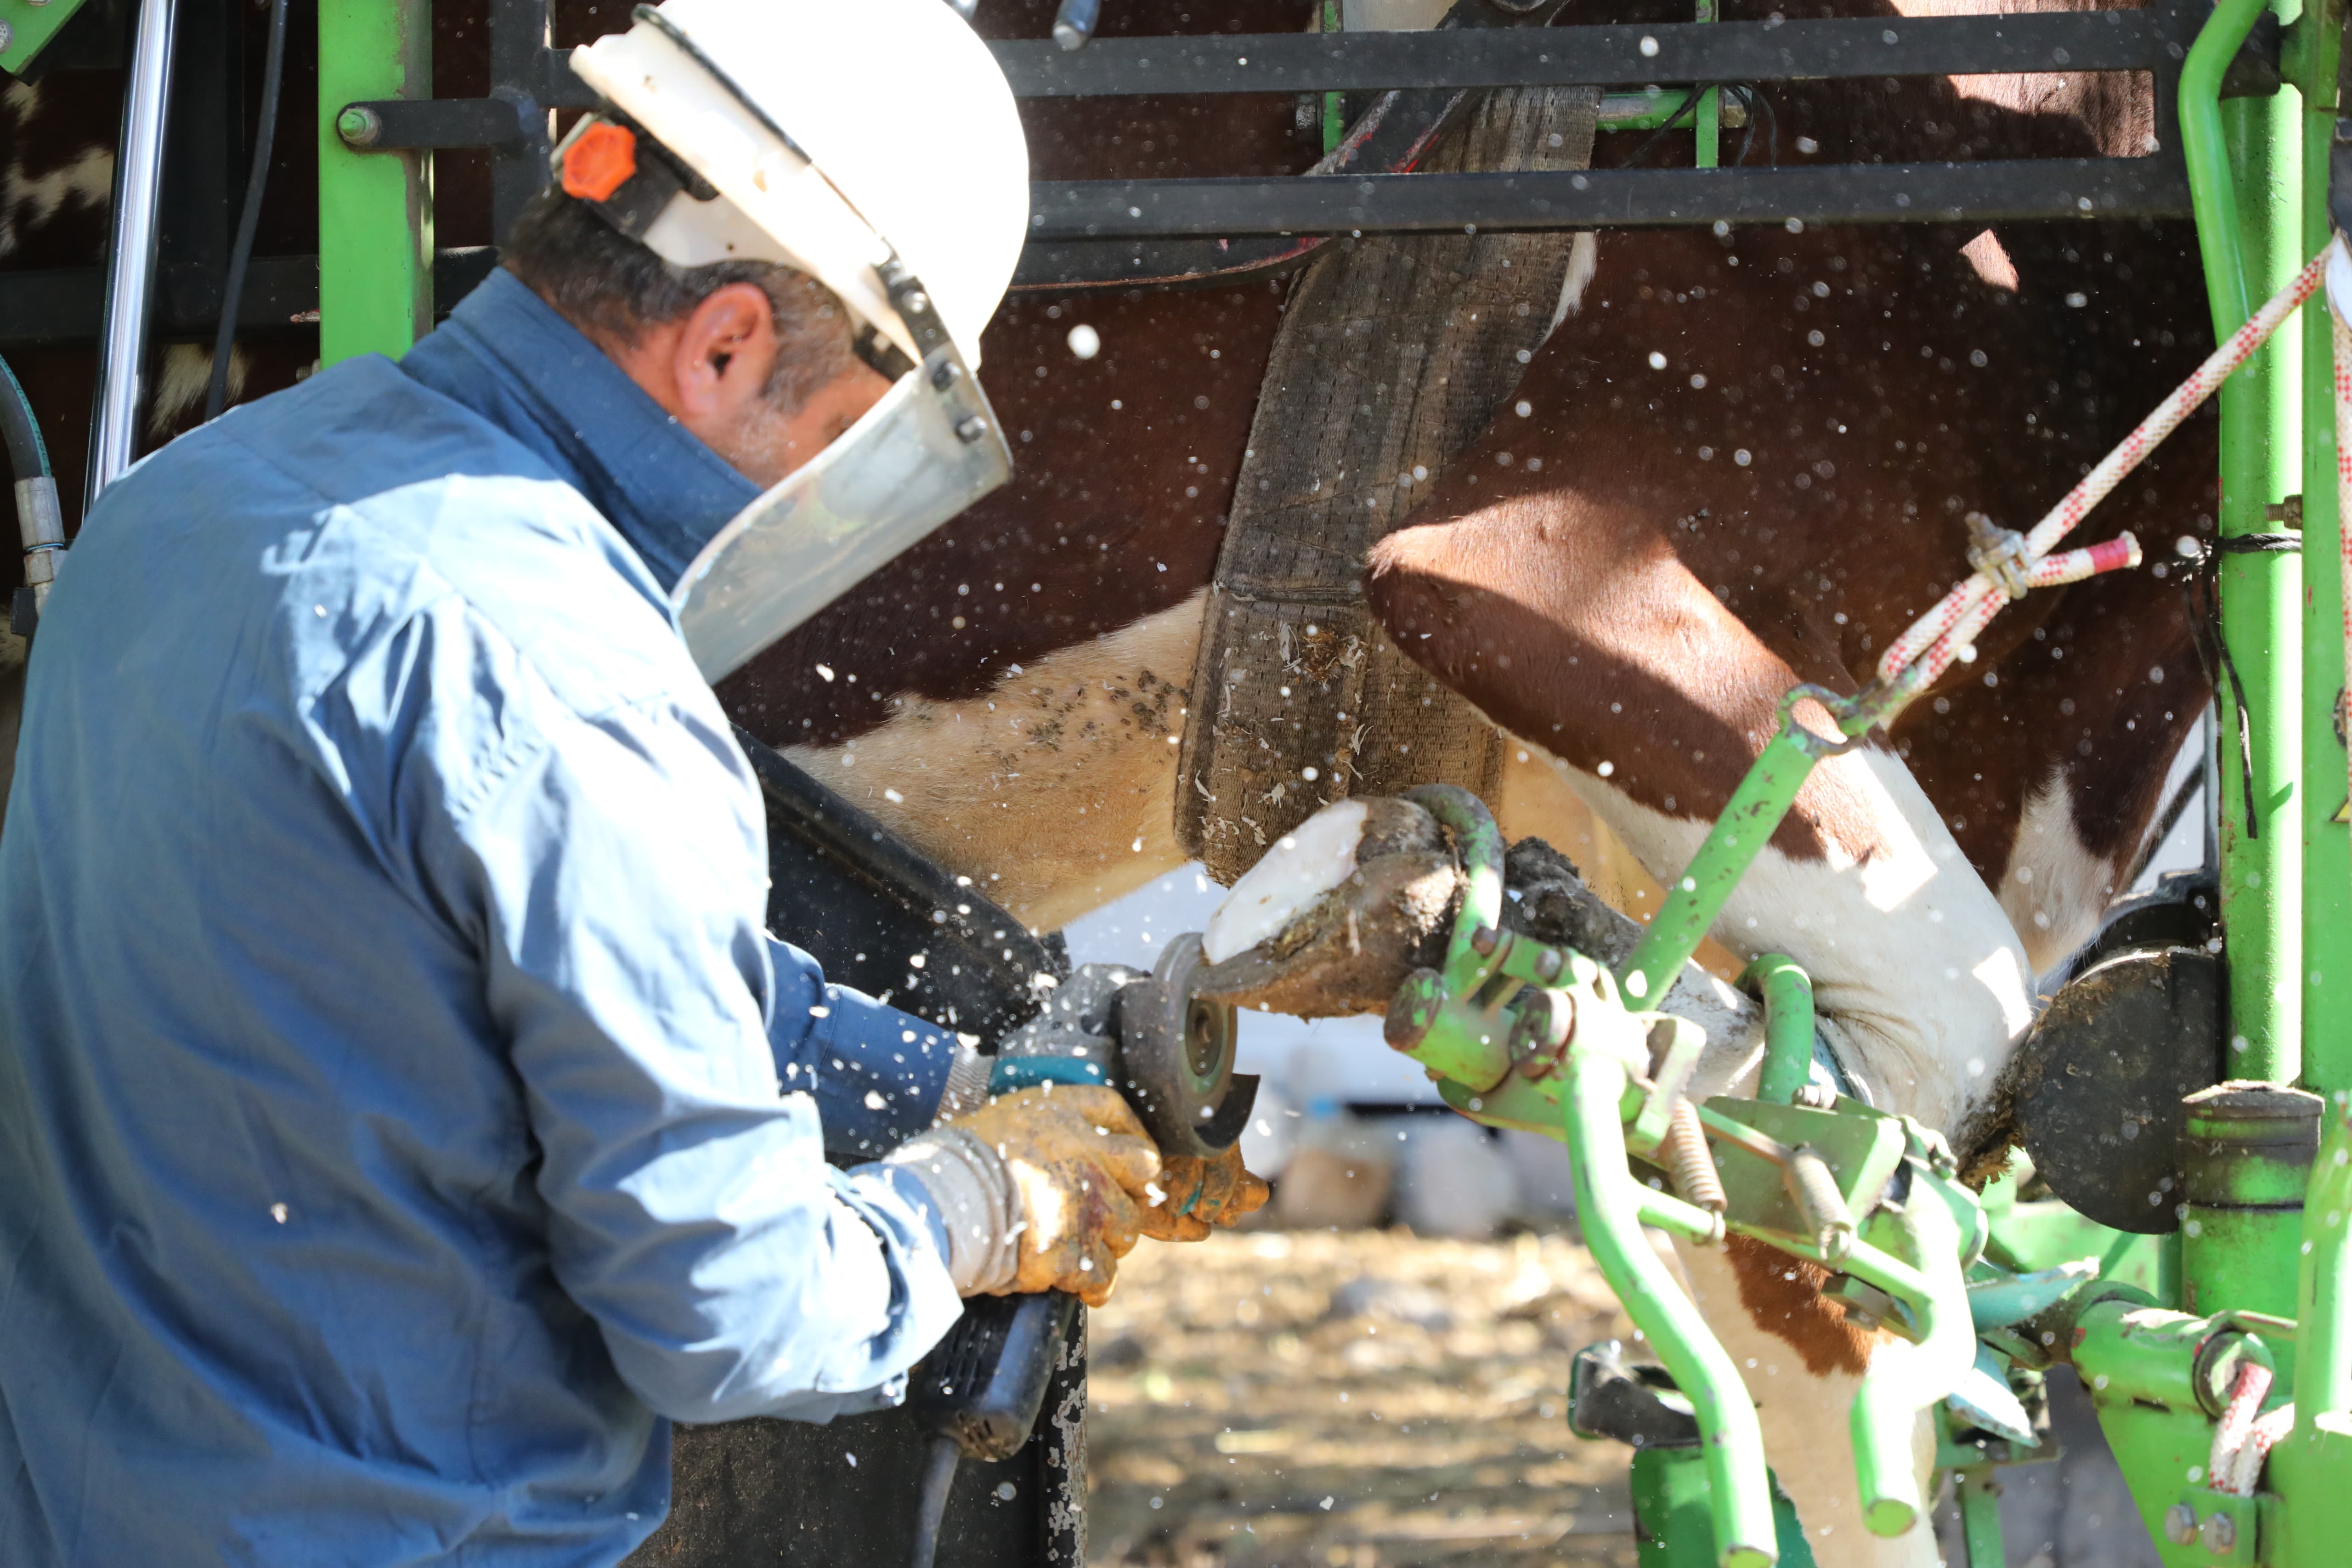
(837, 136)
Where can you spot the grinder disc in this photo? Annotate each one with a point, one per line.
(1176, 1049)
(2097, 1085)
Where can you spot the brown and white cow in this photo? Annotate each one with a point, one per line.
(1756, 450)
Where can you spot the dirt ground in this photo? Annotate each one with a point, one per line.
(1370, 1399)
(1361, 1399)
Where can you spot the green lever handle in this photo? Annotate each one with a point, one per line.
(1609, 1203)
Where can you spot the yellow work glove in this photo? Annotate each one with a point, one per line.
(1195, 1194)
(1081, 1163)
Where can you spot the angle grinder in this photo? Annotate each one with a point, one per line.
(1171, 1053)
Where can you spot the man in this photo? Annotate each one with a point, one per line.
(403, 1110)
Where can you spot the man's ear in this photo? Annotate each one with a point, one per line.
(723, 353)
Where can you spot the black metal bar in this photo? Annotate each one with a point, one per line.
(520, 31)
(2151, 38)
(399, 125)
(62, 305)
(1612, 198)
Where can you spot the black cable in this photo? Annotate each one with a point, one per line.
(28, 456)
(1772, 137)
(2203, 588)
(1689, 102)
(273, 77)
(940, 1461)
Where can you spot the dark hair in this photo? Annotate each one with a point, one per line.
(604, 282)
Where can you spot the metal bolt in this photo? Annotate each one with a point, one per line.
(359, 127)
(2181, 1524)
(1813, 1184)
(2220, 1533)
(8, 35)
(915, 302)
(970, 428)
(1483, 940)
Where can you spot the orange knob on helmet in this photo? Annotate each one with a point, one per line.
(600, 161)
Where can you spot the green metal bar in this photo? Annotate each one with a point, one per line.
(1980, 1517)
(28, 26)
(1739, 835)
(1608, 1200)
(1710, 120)
(2323, 1363)
(375, 209)
(2241, 180)
(1787, 995)
(2312, 55)
(1897, 1389)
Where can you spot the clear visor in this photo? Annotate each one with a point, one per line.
(926, 451)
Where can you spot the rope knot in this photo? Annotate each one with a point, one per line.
(2001, 554)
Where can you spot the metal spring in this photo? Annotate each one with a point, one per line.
(1815, 1187)
(1689, 1160)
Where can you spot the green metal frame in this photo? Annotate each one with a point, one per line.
(28, 26)
(375, 209)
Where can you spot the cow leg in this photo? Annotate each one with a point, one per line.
(1566, 622)
(1803, 1366)
(2054, 766)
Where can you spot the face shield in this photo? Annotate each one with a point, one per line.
(927, 450)
(788, 155)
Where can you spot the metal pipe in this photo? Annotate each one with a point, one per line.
(1786, 991)
(1897, 1388)
(1608, 1204)
(131, 252)
(1076, 22)
(1755, 809)
(2262, 841)
(2327, 843)
(40, 523)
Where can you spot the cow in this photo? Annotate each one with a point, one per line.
(1742, 460)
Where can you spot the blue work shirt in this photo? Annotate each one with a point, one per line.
(391, 1045)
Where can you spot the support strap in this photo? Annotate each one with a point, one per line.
(1393, 355)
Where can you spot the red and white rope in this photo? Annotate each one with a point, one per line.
(2246, 1434)
(1938, 638)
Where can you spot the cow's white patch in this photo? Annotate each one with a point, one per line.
(1392, 15)
(1051, 792)
(30, 199)
(1808, 1434)
(188, 372)
(1583, 261)
(2053, 889)
(1990, 259)
(1304, 864)
(1916, 971)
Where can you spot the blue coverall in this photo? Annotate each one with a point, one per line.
(391, 1043)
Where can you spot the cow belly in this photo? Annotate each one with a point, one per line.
(1055, 790)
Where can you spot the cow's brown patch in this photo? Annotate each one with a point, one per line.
(1783, 1295)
